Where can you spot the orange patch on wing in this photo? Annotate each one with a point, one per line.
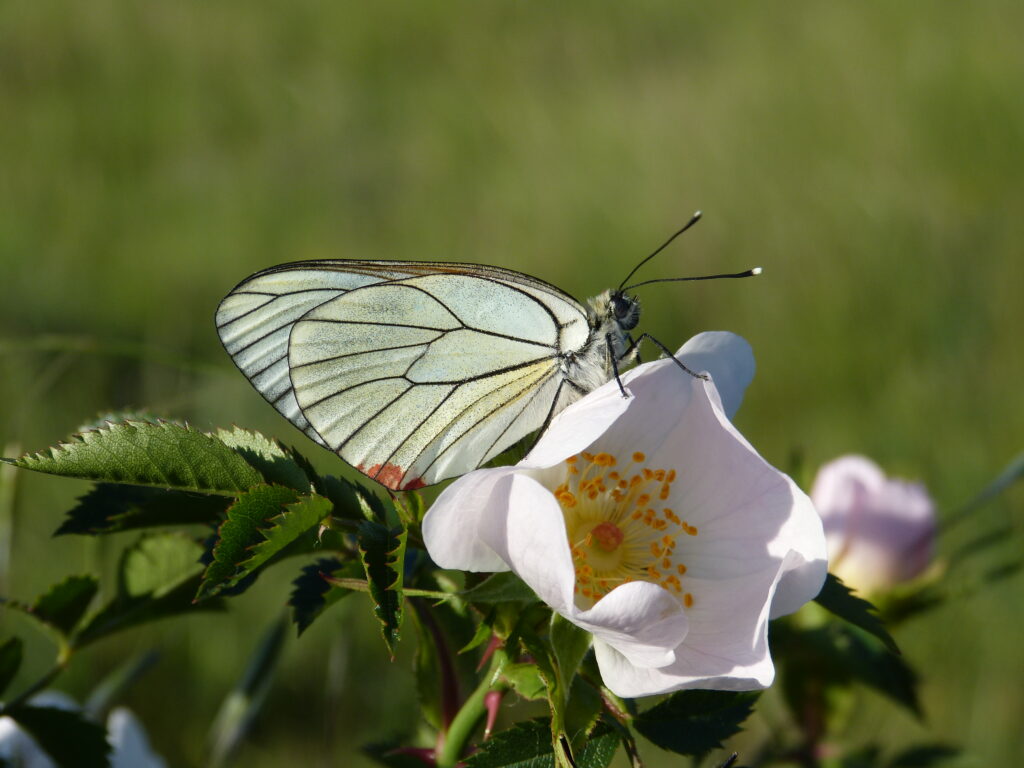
(390, 476)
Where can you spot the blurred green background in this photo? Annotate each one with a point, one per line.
(869, 156)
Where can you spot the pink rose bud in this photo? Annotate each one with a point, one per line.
(879, 531)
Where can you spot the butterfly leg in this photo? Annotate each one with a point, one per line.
(633, 347)
(666, 350)
(615, 362)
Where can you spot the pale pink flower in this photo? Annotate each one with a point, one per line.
(651, 523)
(880, 531)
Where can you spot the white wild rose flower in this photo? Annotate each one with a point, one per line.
(880, 531)
(651, 523)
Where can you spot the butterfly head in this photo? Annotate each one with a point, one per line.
(624, 309)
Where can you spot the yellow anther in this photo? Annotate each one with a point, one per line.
(572, 459)
(688, 600)
(671, 476)
(604, 460)
(588, 456)
(643, 500)
(638, 457)
(666, 563)
(680, 569)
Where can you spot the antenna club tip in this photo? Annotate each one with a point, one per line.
(756, 271)
(698, 214)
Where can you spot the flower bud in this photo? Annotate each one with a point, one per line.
(879, 531)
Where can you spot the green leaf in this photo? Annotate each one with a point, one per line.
(525, 680)
(70, 740)
(164, 455)
(840, 600)
(695, 722)
(312, 594)
(352, 501)
(251, 511)
(393, 754)
(503, 587)
(158, 563)
(294, 521)
(109, 508)
(583, 711)
(10, 661)
(863, 757)
(274, 462)
(382, 551)
(528, 745)
(876, 667)
(925, 756)
(158, 577)
(64, 604)
(570, 644)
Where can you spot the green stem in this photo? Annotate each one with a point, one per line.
(63, 658)
(361, 585)
(470, 715)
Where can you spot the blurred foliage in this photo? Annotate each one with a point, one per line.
(869, 157)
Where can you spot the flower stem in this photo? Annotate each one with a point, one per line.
(470, 714)
(63, 658)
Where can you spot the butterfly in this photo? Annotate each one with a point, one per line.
(414, 372)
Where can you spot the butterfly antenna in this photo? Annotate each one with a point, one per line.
(747, 273)
(693, 220)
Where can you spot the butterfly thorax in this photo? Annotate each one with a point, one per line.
(611, 316)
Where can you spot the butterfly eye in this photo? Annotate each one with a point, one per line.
(627, 311)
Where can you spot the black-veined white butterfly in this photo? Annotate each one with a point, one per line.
(414, 372)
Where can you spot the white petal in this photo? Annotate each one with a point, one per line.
(577, 426)
(451, 528)
(641, 620)
(692, 669)
(533, 541)
(750, 517)
(728, 358)
(805, 563)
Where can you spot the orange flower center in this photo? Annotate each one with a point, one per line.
(619, 527)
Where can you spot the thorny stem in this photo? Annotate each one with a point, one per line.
(469, 716)
(449, 681)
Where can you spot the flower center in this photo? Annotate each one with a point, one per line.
(619, 529)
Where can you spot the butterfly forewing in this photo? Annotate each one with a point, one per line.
(255, 320)
(411, 371)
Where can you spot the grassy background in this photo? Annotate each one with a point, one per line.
(868, 156)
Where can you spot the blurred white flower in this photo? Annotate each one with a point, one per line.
(651, 523)
(880, 531)
(129, 744)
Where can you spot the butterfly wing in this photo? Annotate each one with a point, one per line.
(412, 372)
